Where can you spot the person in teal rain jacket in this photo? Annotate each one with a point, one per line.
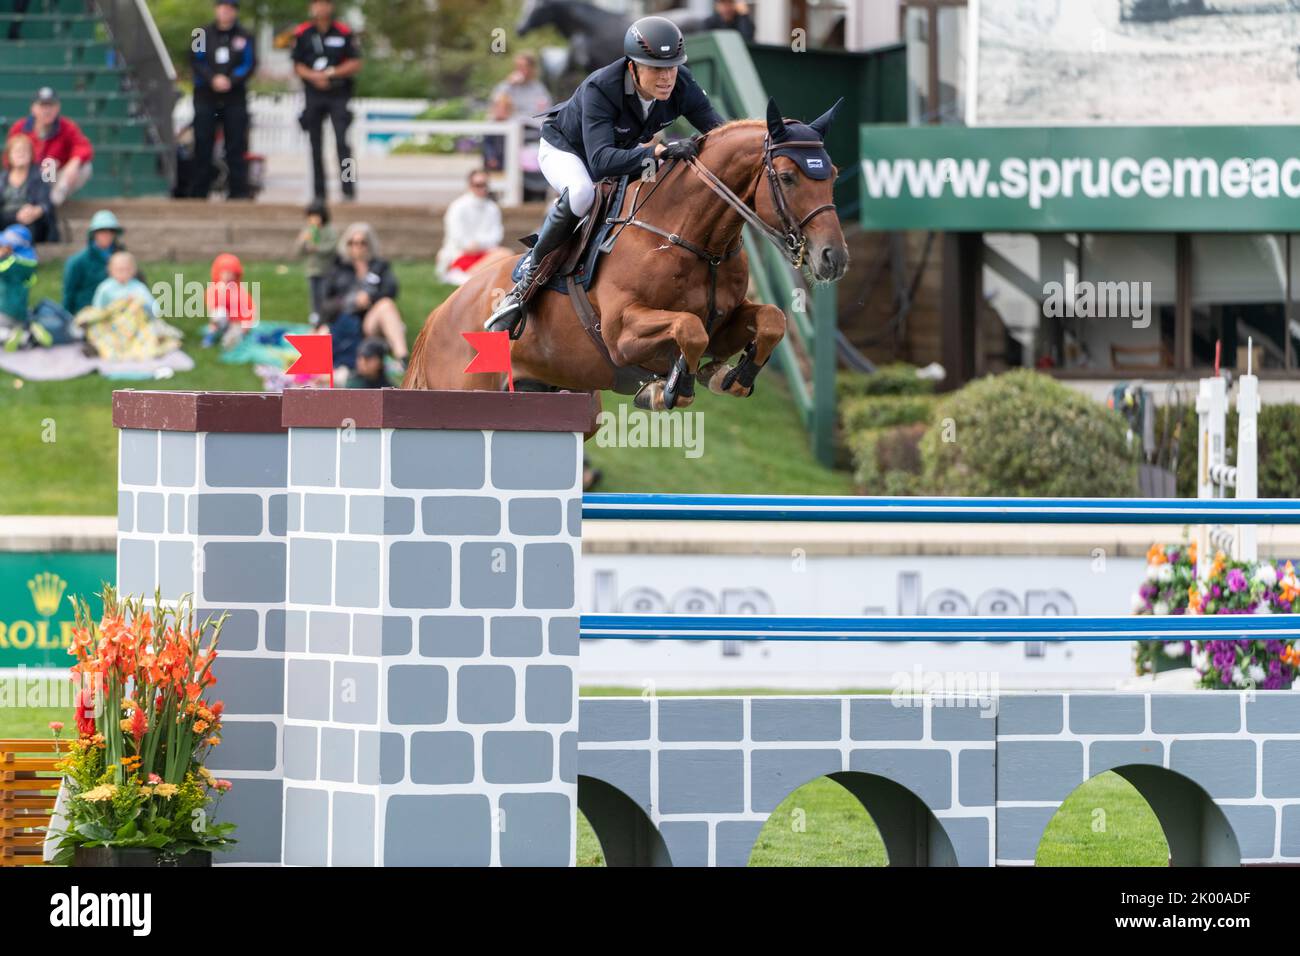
(89, 267)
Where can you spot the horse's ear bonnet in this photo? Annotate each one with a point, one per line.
(813, 160)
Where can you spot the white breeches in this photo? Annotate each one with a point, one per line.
(564, 170)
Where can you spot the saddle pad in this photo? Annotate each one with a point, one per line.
(586, 270)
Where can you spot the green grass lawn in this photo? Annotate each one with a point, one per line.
(749, 446)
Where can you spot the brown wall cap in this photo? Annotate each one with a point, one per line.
(198, 411)
(447, 410)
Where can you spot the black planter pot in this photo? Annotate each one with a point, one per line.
(138, 856)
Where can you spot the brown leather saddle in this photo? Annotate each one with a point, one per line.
(572, 257)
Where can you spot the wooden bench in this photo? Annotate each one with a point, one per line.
(29, 785)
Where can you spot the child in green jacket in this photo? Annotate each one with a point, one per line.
(17, 276)
(316, 242)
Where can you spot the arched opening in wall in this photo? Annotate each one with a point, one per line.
(820, 824)
(1138, 815)
(852, 819)
(613, 830)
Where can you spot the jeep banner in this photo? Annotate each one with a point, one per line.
(1093, 179)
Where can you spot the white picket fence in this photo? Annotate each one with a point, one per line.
(377, 126)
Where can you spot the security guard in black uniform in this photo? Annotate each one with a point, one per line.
(326, 55)
(222, 62)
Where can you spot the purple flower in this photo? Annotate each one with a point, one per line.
(1236, 580)
(1216, 591)
(1273, 682)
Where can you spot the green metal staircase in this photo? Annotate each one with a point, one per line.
(65, 44)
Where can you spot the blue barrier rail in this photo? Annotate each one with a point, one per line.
(654, 507)
(939, 629)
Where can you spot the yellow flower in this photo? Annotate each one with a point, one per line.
(129, 705)
(125, 724)
(104, 791)
(165, 790)
(207, 776)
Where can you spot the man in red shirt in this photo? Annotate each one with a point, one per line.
(58, 142)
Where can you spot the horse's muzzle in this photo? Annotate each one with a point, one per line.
(829, 262)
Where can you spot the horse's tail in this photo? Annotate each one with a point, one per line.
(416, 376)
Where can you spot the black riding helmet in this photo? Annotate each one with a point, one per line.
(654, 41)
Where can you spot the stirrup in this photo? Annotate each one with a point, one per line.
(510, 317)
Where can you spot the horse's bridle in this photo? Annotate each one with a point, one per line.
(790, 238)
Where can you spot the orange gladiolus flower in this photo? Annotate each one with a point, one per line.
(200, 726)
(1193, 600)
(1156, 554)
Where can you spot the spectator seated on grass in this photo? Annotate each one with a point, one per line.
(25, 200)
(59, 141)
(123, 283)
(472, 233)
(88, 268)
(229, 303)
(17, 276)
(370, 371)
(123, 323)
(360, 298)
(316, 243)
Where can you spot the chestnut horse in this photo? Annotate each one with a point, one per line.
(652, 291)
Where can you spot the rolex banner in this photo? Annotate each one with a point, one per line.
(35, 613)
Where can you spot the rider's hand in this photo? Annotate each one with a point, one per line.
(684, 149)
(221, 83)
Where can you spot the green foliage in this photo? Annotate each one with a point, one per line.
(864, 414)
(1278, 431)
(887, 461)
(1022, 433)
(396, 77)
(896, 379)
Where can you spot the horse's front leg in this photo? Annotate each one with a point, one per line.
(642, 336)
(755, 327)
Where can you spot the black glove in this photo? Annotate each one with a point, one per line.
(683, 149)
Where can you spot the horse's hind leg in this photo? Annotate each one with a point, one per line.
(757, 328)
(641, 339)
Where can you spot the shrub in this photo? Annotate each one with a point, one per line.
(897, 379)
(1278, 432)
(864, 414)
(887, 461)
(1022, 433)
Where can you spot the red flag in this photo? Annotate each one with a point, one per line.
(317, 355)
(493, 353)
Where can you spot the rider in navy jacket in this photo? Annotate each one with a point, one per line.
(607, 128)
(603, 121)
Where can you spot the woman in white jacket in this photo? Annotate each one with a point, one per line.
(472, 233)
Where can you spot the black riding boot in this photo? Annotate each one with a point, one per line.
(556, 228)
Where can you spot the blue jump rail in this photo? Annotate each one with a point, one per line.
(939, 629)
(1274, 511)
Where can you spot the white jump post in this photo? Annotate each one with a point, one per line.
(1214, 475)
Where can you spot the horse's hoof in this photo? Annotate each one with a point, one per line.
(651, 397)
(711, 376)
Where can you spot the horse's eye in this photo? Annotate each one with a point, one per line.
(787, 179)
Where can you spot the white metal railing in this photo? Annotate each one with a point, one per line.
(1214, 474)
(377, 126)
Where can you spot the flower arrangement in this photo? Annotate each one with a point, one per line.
(134, 777)
(1232, 587)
